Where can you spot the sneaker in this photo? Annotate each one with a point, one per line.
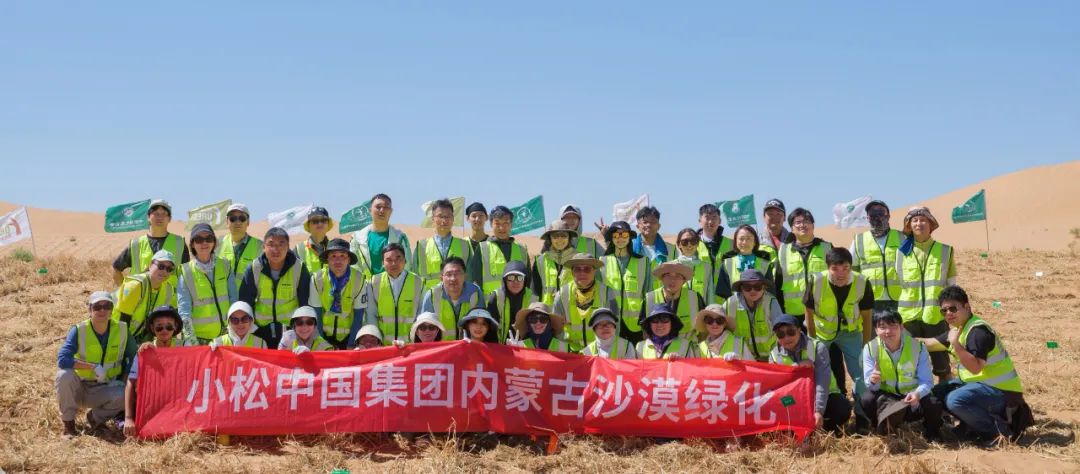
(69, 430)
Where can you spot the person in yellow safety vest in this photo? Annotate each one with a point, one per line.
(304, 336)
(988, 397)
(339, 295)
(207, 288)
(747, 255)
(513, 295)
(873, 254)
(798, 261)
(831, 408)
(479, 326)
(711, 323)
(750, 313)
(581, 243)
(368, 243)
(431, 253)
(477, 216)
(581, 298)
(662, 340)
(628, 275)
(536, 327)
(648, 241)
(275, 285)
(703, 275)
(139, 252)
(168, 327)
(394, 295)
(674, 292)
(896, 367)
(143, 292)
(91, 362)
(549, 271)
(497, 251)
(606, 341)
(369, 337)
(712, 244)
(453, 298)
(924, 267)
(776, 234)
(317, 225)
(241, 317)
(238, 248)
(838, 304)
(427, 328)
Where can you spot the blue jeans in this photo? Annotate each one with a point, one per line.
(850, 344)
(980, 406)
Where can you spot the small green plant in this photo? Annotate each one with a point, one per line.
(1076, 240)
(22, 255)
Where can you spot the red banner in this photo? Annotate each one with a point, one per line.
(464, 387)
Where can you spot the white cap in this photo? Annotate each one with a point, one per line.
(241, 306)
(238, 207)
(160, 203)
(164, 256)
(303, 312)
(425, 318)
(369, 330)
(101, 296)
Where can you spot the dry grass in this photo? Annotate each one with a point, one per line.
(36, 311)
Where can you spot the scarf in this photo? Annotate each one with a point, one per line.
(908, 245)
(543, 340)
(336, 285)
(746, 262)
(661, 342)
(584, 296)
(638, 245)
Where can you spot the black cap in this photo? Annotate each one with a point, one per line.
(515, 267)
(338, 245)
(165, 310)
(878, 202)
(318, 212)
(775, 203)
(475, 207)
(784, 319)
(618, 226)
(502, 210)
(200, 228)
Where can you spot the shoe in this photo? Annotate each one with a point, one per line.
(94, 425)
(862, 426)
(990, 443)
(931, 436)
(69, 430)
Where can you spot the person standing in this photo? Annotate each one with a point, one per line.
(394, 297)
(514, 294)
(775, 235)
(874, 255)
(207, 289)
(628, 275)
(751, 312)
(338, 295)
(477, 216)
(649, 242)
(703, 274)
(238, 248)
(139, 252)
(674, 292)
(549, 270)
(581, 298)
(368, 243)
(747, 255)
(712, 243)
(432, 253)
(274, 285)
(581, 243)
(497, 251)
(798, 261)
(317, 225)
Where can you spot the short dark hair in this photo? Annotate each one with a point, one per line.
(838, 256)
(452, 261)
(275, 232)
(383, 197)
(393, 247)
(441, 204)
(888, 315)
(799, 212)
(648, 211)
(953, 293)
(707, 209)
(499, 212)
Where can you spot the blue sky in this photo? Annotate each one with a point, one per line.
(280, 103)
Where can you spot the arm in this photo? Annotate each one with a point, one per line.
(248, 290)
(809, 321)
(122, 262)
(970, 361)
(426, 305)
(866, 305)
(822, 377)
(357, 323)
(723, 284)
(129, 408)
(183, 299)
(870, 366)
(65, 359)
(303, 291)
(534, 279)
(924, 374)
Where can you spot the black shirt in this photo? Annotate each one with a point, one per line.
(841, 293)
(980, 341)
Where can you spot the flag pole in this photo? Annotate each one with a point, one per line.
(986, 223)
(33, 241)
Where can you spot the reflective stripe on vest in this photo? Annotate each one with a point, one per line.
(687, 308)
(318, 344)
(165, 295)
(492, 262)
(904, 380)
(998, 372)
(726, 245)
(209, 298)
(630, 286)
(796, 273)
(577, 321)
(807, 353)
(238, 264)
(620, 349)
(677, 346)
(555, 345)
(396, 315)
(826, 317)
(274, 300)
(336, 326)
(879, 268)
(307, 254)
(727, 346)
(141, 255)
(249, 340)
(921, 284)
(90, 350)
(758, 334)
(506, 320)
(552, 276)
(445, 311)
(704, 279)
(429, 261)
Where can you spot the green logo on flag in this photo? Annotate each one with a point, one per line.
(213, 214)
(787, 400)
(528, 216)
(127, 217)
(356, 218)
(739, 212)
(974, 209)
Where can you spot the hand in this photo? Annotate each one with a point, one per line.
(875, 377)
(673, 357)
(214, 345)
(912, 399)
(300, 349)
(101, 374)
(512, 339)
(600, 226)
(730, 356)
(954, 337)
(468, 340)
(818, 420)
(129, 427)
(399, 344)
(144, 346)
(805, 363)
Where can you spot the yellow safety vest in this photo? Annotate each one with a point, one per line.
(552, 276)
(429, 261)
(360, 247)
(726, 245)
(319, 344)
(898, 377)
(209, 298)
(731, 343)
(704, 280)
(336, 326)
(502, 307)
(276, 300)
(141, 254)
(999, 371)
(730, 265)
(396, 315)
(796, 274)
(826, 319)
(921, 283)
(492, 262)
(239, 263)
(148, 300)
(556, 345)
(110, 357)
(629, 286)
(807, 353)
(311, 258)
(249, 340)
(620, 349)
(446, 313)
(678, 346)
(577, 320)
(878, 267)
(758, 331)
(584, 244)
(687, 308)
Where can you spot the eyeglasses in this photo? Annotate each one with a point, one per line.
(203, 240)
(515, 278)
(661, 320)
(789, 332)
(754, 287)
(709, 320)
(166, 268)
(537, 319)
(240, 218)
(318, 220)
(102, 307)
(802, 224)
(166, 327)
(240, 320)
(304, 322)
(950, 309)
(621, 234)
(426, 327)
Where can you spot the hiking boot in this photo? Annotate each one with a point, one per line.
(69, 430)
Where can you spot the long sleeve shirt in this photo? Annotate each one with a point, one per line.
(65, 359)
(822, 370)
(923, 372)
(184, 300)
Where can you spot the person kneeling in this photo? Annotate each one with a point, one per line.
(831, 408)
(303, 337)
(240, 322)
(716, 341)
(539, 329)
(479, 326)
(167, 326)
(662, 341)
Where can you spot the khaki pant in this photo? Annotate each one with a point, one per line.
(105, 400)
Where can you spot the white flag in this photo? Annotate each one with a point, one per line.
(14, 227)
(851, 214)
(292, 220)
(627, 211)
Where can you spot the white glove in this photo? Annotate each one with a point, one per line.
(99, 371)
(301, 349)
(214, 345)
(730, 356)
(468, 340)
(399, 344)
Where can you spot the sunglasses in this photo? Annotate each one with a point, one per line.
(102, 307)
(620, 234)
(318, 221)
(515, 278)
(950, 309)
(709, 320)
(304, 322)
(538, 318)
(240, 218)
(203, 240)
(166, 327)
(661, 320)
(240, 320)
(688, 242)
(427, 327)
(166, 268)
(754, 287)
(789, 332)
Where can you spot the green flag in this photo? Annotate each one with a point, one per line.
(356, 218)
(213, 214)
(528, 216)
(974, 209)
(459, 212)
(127, 217)
(739, 212)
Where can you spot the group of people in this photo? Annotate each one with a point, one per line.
(885, 311)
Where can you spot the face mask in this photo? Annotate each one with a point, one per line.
(879, 224)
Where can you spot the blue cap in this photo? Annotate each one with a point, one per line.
(784, 319)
